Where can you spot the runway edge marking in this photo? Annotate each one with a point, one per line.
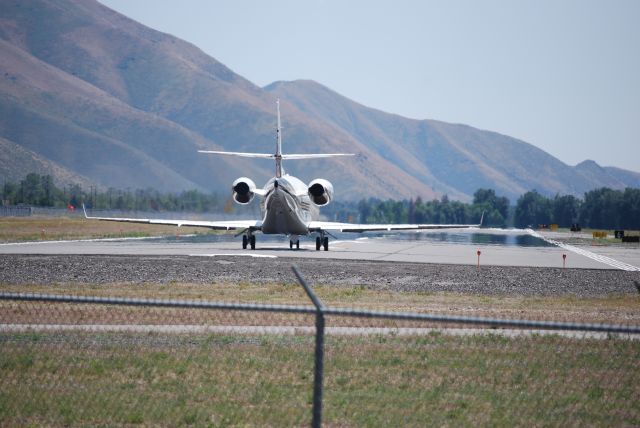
(593, 256)
(256, 256)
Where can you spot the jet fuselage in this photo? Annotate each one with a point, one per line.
(287, 207)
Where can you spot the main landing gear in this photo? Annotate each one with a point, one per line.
(322, 241)
(249, 239)
(294, 240)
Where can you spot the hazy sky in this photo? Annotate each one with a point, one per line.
(562, 75)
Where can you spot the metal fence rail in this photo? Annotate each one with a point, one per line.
(610, 388)
(343, 312)
(15, 211)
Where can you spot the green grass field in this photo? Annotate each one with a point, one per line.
(155, 380)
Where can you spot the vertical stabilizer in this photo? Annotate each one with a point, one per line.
(278, 155)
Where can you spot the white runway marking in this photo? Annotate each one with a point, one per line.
(265, 256)
(305, 330)
(66, 241)
(599, 258)
(338, 242)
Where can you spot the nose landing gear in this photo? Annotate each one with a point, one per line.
(249, 239)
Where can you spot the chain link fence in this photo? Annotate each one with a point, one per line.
(15, 211)
(83, 360)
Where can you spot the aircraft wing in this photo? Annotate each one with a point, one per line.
(220, 225)
(348, 227)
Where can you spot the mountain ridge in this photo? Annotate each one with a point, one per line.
(203, 101)
(487, 158)
(122, 105)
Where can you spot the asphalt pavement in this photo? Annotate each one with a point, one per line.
(393, 248)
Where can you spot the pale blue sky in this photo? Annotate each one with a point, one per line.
(563, 75)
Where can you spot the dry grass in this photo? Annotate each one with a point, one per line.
(615, 309)
(152, 379)
(18, 229)
(116, 379)
(159, 380)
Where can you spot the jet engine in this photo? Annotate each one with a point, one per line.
(243, 190)
(320, 191)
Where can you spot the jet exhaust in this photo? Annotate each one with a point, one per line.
(243, 190)
(320, 192)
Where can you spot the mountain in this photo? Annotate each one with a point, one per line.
(627, 178)
(93, 97)
(454, 159)
(16, 160)
(128, 106)
(612, 177)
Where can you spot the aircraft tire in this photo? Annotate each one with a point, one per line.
(298, 244)
(253, 242)
(325, 243)
(318, 243)
(291, 245)
(244, 242)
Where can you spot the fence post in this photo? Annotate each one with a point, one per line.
(316, 421)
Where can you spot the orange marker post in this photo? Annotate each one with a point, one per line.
(479, 259)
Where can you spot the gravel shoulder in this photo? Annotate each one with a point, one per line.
(387, 276)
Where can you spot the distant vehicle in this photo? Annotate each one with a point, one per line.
(290, 207)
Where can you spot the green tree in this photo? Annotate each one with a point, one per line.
(31, 189)
(630, 210)
(10, 193)
(496, 209)
(364, 210)
(488, 197)
(566, 210)
(532, 209)
(602, 208)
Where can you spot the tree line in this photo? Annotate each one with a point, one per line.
(601, 208)
(40, 190)
(440, 211)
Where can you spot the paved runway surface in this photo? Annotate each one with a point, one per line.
(398, 248)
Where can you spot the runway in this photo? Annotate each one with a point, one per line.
(502, 250)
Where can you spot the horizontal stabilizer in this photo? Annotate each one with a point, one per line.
(245, 155)
(316, 156)
(269, 156)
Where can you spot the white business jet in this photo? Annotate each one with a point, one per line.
(290, 207)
